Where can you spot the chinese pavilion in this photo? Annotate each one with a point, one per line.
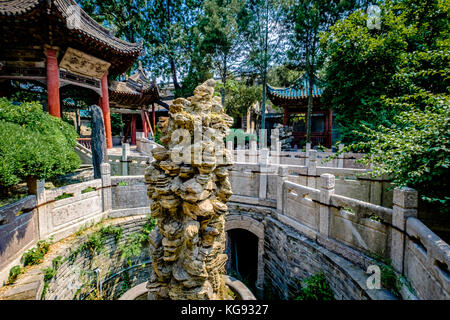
(294, 101)
(55, 43)
(133, 97)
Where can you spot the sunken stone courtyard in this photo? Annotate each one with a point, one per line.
(221, 156)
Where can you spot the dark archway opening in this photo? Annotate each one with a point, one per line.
(242, 251)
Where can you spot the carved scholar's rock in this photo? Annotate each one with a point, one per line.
(189, 187)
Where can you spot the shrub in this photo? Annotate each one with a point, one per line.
(317, 288)
(34, 144)
(36, 255)
(14, 273)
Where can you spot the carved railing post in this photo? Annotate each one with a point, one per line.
(341, 156)
(327, 183)
(282, 177)
(405, 206)
(124, 160)
(312, 171)
(253, 152)
(105, 169)
(39, 190)
(263, 169)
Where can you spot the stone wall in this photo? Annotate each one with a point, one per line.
(128, 194)
(291, 257)
(18, 230)
(353, 230)
(312, 215)
(75, 274)
(260, 180)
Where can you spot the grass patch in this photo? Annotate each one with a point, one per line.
(36, 255)
(64, 196)
(122, 184)
(14, 274)
(88, 189)
(316, 288)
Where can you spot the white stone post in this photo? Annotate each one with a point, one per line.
(405, 206)
(282, 177)
(312, 168)
(327, 183)
(341, 156)
(307, 148)
(124, 161)
(263, 168)
(43, 221)
(230, 148)
(253, 153)
(105, 170)
(275, 146)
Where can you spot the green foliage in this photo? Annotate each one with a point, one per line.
(414, 151)
(239, 97)
(158, 135)
(149, 226)
(36, 255)
(34, 144)
(283, 76)
(393, 100)
(122, 183)
(50, 273)
(126, 285)
(14, 274)
(316, 288)
(88, 189)
(132, 247)
(64, 196)
(116, 124)
(219, 35)
(115, 231)
(407, 56)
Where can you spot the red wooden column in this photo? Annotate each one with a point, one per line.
(153, 118)
(285, 118)
(53, 83)
(144, 122)
(330, 126)
(133, 129)
(104, 105)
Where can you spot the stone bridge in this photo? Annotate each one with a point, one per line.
(292, 220)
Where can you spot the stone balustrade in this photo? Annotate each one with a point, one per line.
(294, 199)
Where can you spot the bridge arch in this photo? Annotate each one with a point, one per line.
(255, 227)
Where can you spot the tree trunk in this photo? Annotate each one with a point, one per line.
(310, 105)
(174, 73)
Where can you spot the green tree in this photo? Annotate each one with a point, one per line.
(363, 65)
(240, 97)
(396, 92)
(304, 22)
(34, 144)
(220, 36)
(264, 39)
(283, 75)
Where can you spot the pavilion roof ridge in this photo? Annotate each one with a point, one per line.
(87, 25)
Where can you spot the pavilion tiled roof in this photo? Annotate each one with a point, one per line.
(298, 93)
(86, 26)
(136, 91)
(28, 24)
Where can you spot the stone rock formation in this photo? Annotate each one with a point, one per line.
(98, 140)
(188, 186)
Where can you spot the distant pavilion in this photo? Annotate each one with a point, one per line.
(55, 43)
(294, 102)
(133, 97)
